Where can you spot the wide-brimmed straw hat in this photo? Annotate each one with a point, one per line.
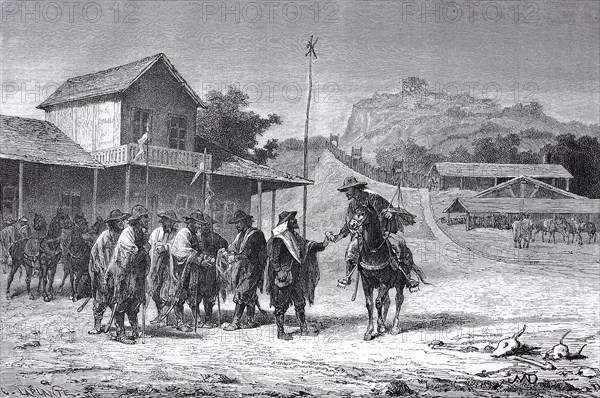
(239, 215)
(116, 215)
(197, 216)
(286, 216)
(169, 214)
(137, 211)
(350, 182)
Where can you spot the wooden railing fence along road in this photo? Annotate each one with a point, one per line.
(397, 175)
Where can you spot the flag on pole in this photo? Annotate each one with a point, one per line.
(198, 173)
(141, 142)
(209, 196)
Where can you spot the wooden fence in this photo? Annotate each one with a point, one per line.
(397, 175)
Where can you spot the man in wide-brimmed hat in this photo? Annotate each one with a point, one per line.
(391, 221)
(207, 282)
(127, 273)
(188, 257)
(248, 255)
(100, 256)
(160, 241)
(293, 271)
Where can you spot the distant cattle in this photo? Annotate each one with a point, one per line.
(572, 228)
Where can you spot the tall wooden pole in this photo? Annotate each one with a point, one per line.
(310, 53)
(20, 210)
(95, 196)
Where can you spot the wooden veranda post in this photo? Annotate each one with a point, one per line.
(127, 186)
(310, 53)
(259, 194)
(273, 196)
(95, 196)
(20, 211)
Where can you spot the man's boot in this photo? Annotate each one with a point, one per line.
(281, 334)
(120, 336)
(159, 309)
(302, 321)
(237, 315)
(250, 320)
(97, 325)
(179, 324)
(208, 312)
(135, 329)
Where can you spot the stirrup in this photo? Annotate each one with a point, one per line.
(344, 282)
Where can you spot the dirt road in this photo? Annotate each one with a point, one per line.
(472, 303)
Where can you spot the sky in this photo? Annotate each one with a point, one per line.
(512, 51)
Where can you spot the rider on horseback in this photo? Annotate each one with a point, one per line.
(391, 221)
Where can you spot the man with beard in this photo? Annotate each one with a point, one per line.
(206, 288)
(100, 256)
(392, 225)
(188, 259)
(127, 273)
(293, 271)
(247, 253)
(160, 241)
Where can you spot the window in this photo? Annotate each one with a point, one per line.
(9, 201)
(141, 124)
(185, 204)
(177, 131)
(70, 203)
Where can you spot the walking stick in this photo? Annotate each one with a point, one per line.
(82, 306)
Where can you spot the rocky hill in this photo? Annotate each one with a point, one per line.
(443, 122)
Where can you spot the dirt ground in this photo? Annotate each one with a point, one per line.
(472, 303)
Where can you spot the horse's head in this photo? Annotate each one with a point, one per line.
(98, 226)
(39, 222)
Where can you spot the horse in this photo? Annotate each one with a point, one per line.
(590, 229)
(378, 269)
(51, 250)
(522, 232)
(572, 228)
(25, 253)
(76, 248)
(548, 226)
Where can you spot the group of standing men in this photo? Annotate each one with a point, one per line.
(175, 267)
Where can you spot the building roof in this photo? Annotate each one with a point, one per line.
(531, 180)
(112, 81)
(37, 141)
(519, 205)
(500, 170)
(242, 168)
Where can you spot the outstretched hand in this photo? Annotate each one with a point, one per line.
(387, 214)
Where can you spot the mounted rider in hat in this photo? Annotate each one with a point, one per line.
(248, 254)
(101, 253)
(391, 221)
(188, 258)
(293, 271)
(160, 241)
(127, 273)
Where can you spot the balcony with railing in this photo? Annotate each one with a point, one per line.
(167, 158)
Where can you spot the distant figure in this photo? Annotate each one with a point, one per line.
(8, 236)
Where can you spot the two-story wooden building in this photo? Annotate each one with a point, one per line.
(107, 113)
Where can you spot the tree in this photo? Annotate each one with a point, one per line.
(581, 157)
(226, 123)
(460, 155)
